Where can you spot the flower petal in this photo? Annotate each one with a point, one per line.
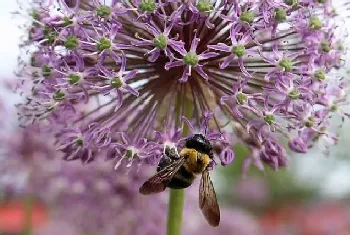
(173, 64)
(227, 61)
(207, 55)
(220, 47)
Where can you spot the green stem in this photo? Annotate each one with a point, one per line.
(175, 208)
(177, 196)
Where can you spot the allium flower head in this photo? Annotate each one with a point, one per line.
(129, 71)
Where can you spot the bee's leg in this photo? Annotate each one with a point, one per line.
(171, 153)
(169, 156)
(199, 157)
(166, 152)
(164, 162)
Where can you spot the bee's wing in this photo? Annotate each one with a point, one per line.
(158, 183)
(207, 200)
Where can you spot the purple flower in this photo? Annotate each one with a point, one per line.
(240, 100)
(243, 17)
(299, 144)
(199, 11)
(103, 44)
(169, 139)
(275, 73)
(76, 144)
(145, 9)
(273, 153)
(223, 149)
(292, 91)
(190, 60)
(160, 42)
(238, 49)
(204, 127)
(268, 118)
(130, 149)
(75, 78)
(116, 82)
(283, 64)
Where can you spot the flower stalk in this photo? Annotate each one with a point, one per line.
(177, 196)
(175, 208)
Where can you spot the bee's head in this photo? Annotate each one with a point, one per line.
(200, 143)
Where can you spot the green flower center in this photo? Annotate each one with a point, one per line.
(51, 37)
(47, 30)
(191, 58)
(117, 82)
(71, 42)
(79, 142)
(309, 122)
(238, 50)
(50, 34)
(286, 65)
(160, 42)
(294, 94)
(269, 119)
(280, 15)
(129, 154)
(104, 44)
(247, 17)
(73, 78)
(67, 21)
(204, 6)
(241, 98)
(59, 95)
(147, 6)
(325, 46)
(334, 108)
(46, 71)
(315, 23)
(103, 11)
(320, 75)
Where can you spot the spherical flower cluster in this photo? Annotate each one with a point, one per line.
(118, 77)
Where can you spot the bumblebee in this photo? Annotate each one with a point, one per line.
(179, 171)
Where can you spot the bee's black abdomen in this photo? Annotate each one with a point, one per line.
(182, 179)
(199, 143)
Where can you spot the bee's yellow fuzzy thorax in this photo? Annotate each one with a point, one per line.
(196, 162)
